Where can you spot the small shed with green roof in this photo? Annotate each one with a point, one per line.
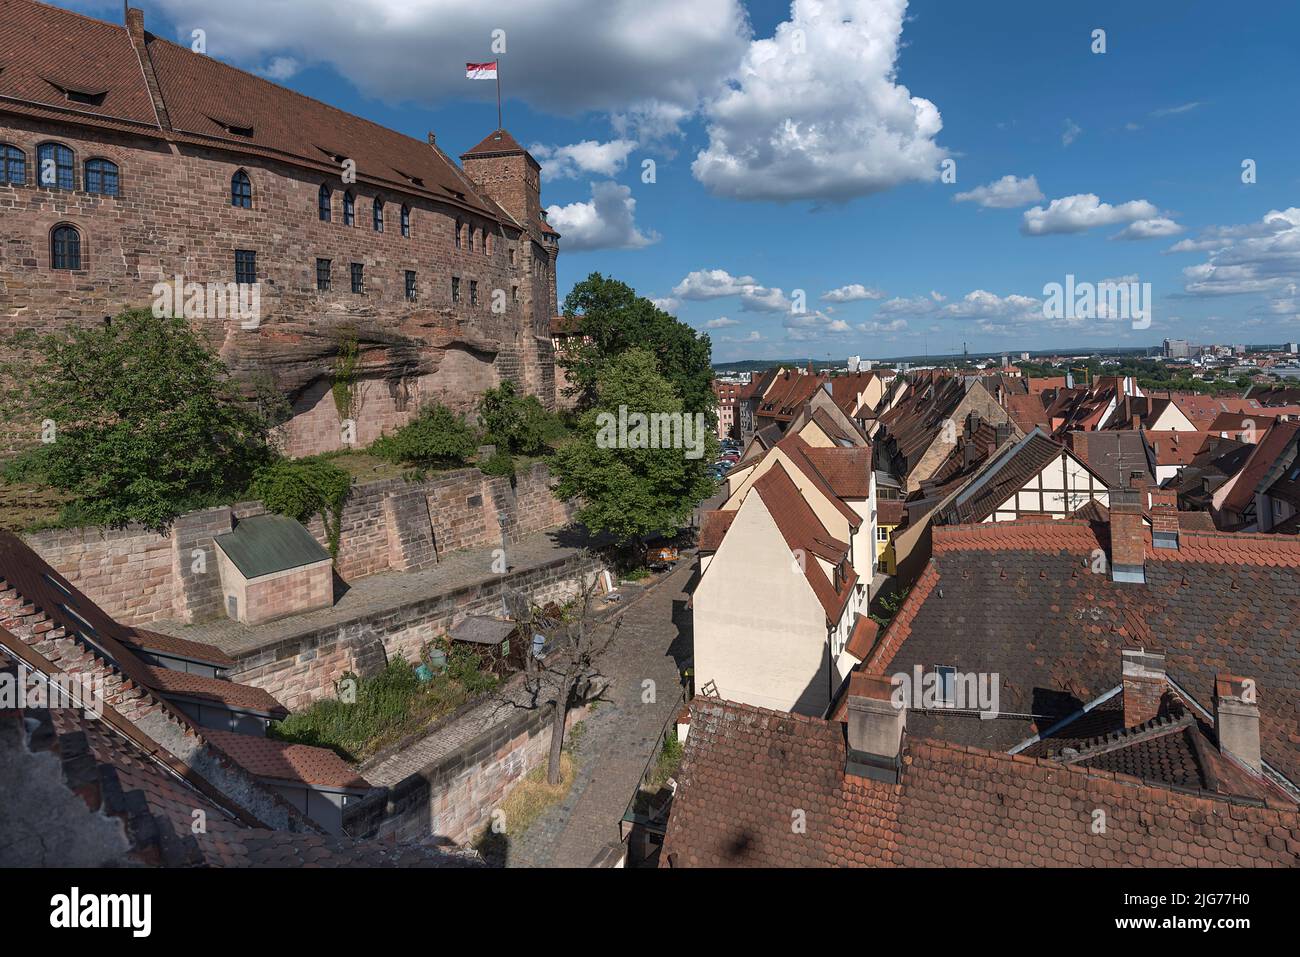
(271, 567)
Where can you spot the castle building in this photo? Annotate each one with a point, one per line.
(134, 171)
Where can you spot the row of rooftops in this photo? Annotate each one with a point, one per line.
(1163, 749)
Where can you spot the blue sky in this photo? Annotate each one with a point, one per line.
(801, 148)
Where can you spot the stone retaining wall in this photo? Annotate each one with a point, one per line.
(453, 798)
(138, 576)
(300, 669)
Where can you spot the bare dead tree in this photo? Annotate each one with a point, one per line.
(567, 664)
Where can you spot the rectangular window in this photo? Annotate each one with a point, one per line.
(410, 285)
(245, 267)
(512, 257)
(458, 234)
(514, 293)
(322, 275)
(358, 279)
(455, 289)
(473, 292)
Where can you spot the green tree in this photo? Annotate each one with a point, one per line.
(144, 419)
(632, 492)
(515, 423)
(609, 318)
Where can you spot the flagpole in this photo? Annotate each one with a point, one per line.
(499, 126)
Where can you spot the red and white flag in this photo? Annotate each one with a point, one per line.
(481, 71)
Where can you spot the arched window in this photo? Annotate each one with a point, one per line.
(13, 165)
(325, 204)
(406, 220)
(241, 190)
(54, 162)
(487, 242)
(101, 177)
(469, 238)
(65, 247)
(458, 228)
(379, 215)
(349, 208)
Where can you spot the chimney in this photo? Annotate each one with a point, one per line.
(135, 22)
(1127, 539)
(1236, 719)
(1164, 518)
(1144, 685)
(1135, 423)
(874, 727)
(433, 138)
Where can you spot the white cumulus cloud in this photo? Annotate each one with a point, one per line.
(587, 157)
(816, 112)
(607, 221)
(1159, 228)
(712, 284)
(722, 322)
(854, 292)
(1083, 211)
(1005, 193)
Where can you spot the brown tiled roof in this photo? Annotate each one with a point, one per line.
(800, 453)
(713, 526)
(847, 470)
(204, 98)
(781, 402)
(1019, 599)
(1027, 411)
(145, 640)
(1176, 448)
(240, 697)
(496, 142)
(890, 511)
(1275, 442)
(863, 637)
(804, 532)
(834, 431)
(745, 768)
(268, 758)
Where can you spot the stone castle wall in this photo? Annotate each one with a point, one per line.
(173, 216)
(138, 576)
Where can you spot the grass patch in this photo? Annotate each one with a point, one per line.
(388, 707)
(668, 762)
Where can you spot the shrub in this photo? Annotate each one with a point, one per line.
(437, 437)
(301, 488)
(500, 463)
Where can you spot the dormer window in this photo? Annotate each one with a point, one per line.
(241, 190)
(946, 686)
